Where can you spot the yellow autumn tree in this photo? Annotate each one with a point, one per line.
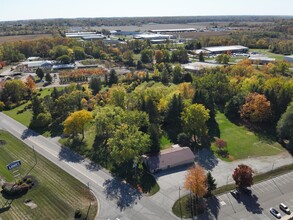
(76, 121)
(196, 181)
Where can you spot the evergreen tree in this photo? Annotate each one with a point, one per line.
(187, 78)
(37, 106)
(48, 78)
(96, 85)
(113, 78)
(152, 111)
(40, 73)
(55, 93)
(201, 57)
(154, 133)
(211, 182)
(203, 97)
(165, 76)
(177, 74)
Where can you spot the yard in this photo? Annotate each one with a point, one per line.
(242, 143)
(56, 193)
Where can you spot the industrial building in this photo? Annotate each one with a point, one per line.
(149, 36)
(168, 158)
(226, 49)
(179, 30)
(85, 35)
(261, 60)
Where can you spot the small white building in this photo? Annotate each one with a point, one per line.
(289, 58)
(261, 60)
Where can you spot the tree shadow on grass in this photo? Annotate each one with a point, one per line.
(207, 159)
(28, 133)
(70, 156)
(124, 194)
(4, 209)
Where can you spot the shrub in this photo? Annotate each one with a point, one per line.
(2, 106)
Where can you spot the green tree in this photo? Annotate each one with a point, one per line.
(40, 73)
(179, 56)
(177, 74)
(154, 133)
(194, 119)
(37, 106)
(211, 182)
(152, 110)
(159, 56)
(48, 78)
(14, 91)
(76, 121)
(128, 143)
(233, 106)
(117, 96)
(201, 57)
(95, 85)
(113, 78)
(128, 57)
(285, 126)
(64, 59)
(147, 56)
(78, 53)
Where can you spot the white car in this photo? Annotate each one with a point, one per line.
(275, 213)
(285, 208)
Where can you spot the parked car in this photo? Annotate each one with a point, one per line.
(285, 208)
(275, 213)
(235, 194)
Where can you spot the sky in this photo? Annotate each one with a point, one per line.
(41, 9)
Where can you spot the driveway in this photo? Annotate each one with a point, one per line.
(172, 179)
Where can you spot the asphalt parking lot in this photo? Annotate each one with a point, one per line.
(256, 206)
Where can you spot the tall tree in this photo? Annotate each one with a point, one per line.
(117, 96)
(40, 73)
(95, 84)
(154, 133)
(128, 143)
(113, 78)
(76, 121)
(201, 57)
(285, 126)
(211, 182)
(152, 110)
(243, 176)
(194, 119)
(256, 108)
(177, 74)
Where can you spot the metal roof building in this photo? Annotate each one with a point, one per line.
(196, 66)
(174, 30)
(261, 59)
(148, 36)
(225, 49)
(289, 58)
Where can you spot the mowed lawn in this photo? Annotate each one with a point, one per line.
(242, 143)
(56, 194)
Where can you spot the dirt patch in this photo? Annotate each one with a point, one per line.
(31, 37)
(30, 204)
(231, 158)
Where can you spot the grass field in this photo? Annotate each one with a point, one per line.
(243, 143)
(56, 194)
(4, 39)
(25, 117)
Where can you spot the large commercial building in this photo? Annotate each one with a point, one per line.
(179, 30)
(226, 49)
(149, 36)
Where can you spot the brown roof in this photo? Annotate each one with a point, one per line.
(169, 157)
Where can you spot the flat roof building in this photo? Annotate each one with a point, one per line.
(225, 49)
(149, 36)
(261, 60)
(197, 66)
(169, 158)
(179, 30)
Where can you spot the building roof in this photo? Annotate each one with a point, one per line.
(78, 34)
(225, 48)
(262, 58)
(170, 157)
(290, 56)
(39, 63)
(152, 36)
(195, 66)
(92, 36)
(174, 30)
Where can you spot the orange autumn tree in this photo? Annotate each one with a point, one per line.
(30, 83)
(256, 108)
(196, 180)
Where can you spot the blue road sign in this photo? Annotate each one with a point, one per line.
(14, 164)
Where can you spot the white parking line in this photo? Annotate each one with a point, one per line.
(284, 179)
(270, 185)
(258, 188)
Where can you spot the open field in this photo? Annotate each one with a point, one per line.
(242, 143)
(56, 194)
(4, 39)
(265, 52)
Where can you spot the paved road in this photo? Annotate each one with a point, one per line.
(266, 194)
(116, 199)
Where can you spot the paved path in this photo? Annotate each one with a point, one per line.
(116, 199)
(170, 181)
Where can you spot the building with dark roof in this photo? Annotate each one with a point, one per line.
(168, 158)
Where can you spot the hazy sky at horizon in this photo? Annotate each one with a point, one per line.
(39, 9)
